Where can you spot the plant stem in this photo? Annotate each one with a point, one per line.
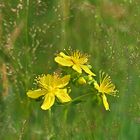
(77, 98)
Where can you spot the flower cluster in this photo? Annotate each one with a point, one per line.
(75, 66)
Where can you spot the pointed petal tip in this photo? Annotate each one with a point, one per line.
(43, 108)
(93, 74)
(63, 96)
(35, 93)
(48, 102)
(62, 61)
(87, 70)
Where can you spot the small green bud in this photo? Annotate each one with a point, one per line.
(69, 90)
(81, 81)
(90, 78)
(89, 66)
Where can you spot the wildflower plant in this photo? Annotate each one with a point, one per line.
(75, 69)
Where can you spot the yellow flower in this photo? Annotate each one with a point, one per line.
(51, 86)
(76, 60)
(105, 86)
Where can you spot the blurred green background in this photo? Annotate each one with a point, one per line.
(32, 31)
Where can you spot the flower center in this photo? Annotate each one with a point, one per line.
(77, 54)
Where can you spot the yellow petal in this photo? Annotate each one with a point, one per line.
(106, 85)
(63, 81)
(62, 95)
(87, 70)
(63, 61)
(106, 105)
(48, 101)
(77, 68)
(36, 93)
(97, 86)
(65, 56)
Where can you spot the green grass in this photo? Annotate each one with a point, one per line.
(31, 32)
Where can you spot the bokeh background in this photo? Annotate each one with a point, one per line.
(33, 31)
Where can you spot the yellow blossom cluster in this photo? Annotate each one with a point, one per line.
(52, 87)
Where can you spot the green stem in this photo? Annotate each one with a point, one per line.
(66, 113)
(27, 15)
(77, 98)
(27, 57)
(50, 114)
(51, 126)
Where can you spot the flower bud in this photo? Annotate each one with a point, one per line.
(90, 78)
(89, 66)
(81, 81)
